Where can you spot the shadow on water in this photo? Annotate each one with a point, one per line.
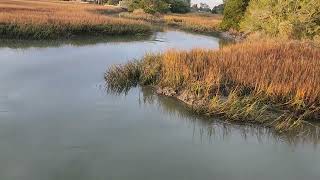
(223, 42)
(210, 128)
(94, 40)
(77, 41)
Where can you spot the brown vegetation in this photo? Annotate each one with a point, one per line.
(55, 19)
(288, 70)
(194, 22)
(268, 82)
(139, 14)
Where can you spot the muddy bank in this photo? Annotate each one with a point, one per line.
(184, 96)
(270, 118)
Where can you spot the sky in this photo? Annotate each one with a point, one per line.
(211, 3)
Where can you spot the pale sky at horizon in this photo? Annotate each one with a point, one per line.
(211, 3)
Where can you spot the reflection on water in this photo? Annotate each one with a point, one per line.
(83, 41)
(57, 123)
(213, 128)
(89, 40)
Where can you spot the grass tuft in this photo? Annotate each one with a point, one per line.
(121, 78)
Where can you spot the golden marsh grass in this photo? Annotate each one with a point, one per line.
(194, 22)
(201, 23)
(55, 19)
(269, 82)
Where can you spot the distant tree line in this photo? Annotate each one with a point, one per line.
(160, 6)
(203, 7)
(218, 9)
(113, 2)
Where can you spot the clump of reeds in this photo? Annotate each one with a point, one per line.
(121, 78)
(42, 19)
(269, 82)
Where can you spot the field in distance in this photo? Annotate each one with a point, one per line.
(50, 19)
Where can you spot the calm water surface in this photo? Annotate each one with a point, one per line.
(58, 123)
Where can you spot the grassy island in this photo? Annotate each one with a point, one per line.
(267, 82)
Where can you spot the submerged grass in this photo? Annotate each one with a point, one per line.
(122, 77)
(269, 82)
(49, 19)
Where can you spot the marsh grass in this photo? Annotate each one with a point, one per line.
(267, 82)
(121, 78)
(49, 19)
(219, 128)
(141, 16)
(193, 22)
